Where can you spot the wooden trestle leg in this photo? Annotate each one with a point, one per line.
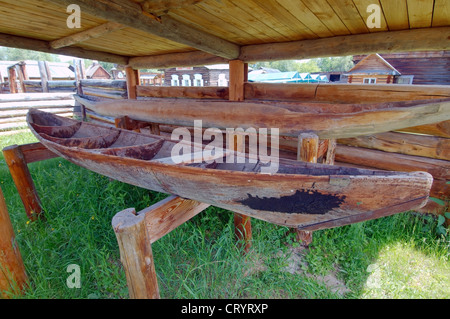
(17, 157)
(238, 75)
(135, 234)
(12, 271)
(308, 149)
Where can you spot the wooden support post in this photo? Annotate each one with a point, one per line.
(18, 168)
(79, 75)
(136, 232)
(13, 277)
(331, 152)
(136, 255)
(44, 77)
(242, 223)
(132, 81)
(21, 77)
(12, 77)
(308, 148)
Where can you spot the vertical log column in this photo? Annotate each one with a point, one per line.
(12, 271)
(44, 76)
(136, 254)
(12, 77)
(308, 148)
(242, 223)
(18, 168)
(79, 75)
(132, 80)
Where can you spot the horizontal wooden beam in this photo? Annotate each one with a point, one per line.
(440, 169)
(426, 39)
(441, 129)
(170, 60)
(131, 15)
(344, 93)
(409, 144)
(82, 36)
(195, 92)
(19, 42)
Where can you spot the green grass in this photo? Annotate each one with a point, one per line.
(401, 256)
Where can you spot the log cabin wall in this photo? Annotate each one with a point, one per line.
(429, 67)
(380, 79)
(14, 107)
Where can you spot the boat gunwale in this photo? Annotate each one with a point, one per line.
(424, 176)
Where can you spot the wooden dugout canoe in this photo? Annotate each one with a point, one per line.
(303, 195)
(291, 118)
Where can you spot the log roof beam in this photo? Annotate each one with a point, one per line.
(130, 14)
(19, 42)
(82, 36)
(380, 42)
(426, 39)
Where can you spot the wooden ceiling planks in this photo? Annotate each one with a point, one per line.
(325, 13)
(302, 13)
(396, 14)
(38, 20)
(131, 42)
(420, 13)
(240, 23)
(441, 15)
(198, 17)
(349, 14)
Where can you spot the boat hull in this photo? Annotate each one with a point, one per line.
(322, 197)
(289, 118)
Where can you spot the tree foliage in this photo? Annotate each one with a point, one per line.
(334, 64)
(13, 54)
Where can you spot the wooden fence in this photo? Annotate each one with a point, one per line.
(14, 107)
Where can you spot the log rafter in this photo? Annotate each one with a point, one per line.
(131, 15)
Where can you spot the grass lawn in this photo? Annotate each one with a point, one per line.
(401, 256)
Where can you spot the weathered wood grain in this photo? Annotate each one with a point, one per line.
(14, 41)
(297, 195)
(381, 42)
(136, 254)
(409, 144)
(94, 32)
(130, 14)
(192, 92)
(13, 277)
(18, 168)
(291, 119)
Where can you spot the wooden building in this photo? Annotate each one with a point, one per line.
(428, 67)
(372, 69)
(97, 72)
(208, 75)
(186, 34)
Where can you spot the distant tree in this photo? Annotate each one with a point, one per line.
(335, 64)
(14, 54)
(310, 66)
(281, 65)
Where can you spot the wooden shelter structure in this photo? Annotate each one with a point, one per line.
(143, 34)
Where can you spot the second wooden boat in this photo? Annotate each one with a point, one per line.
(303, 195)
(291, 118)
